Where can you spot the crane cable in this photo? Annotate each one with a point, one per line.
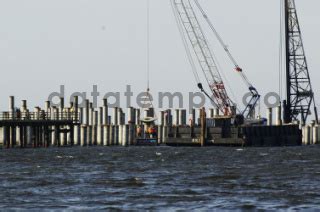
(185, 43)
(148, 95)
(225, 47)
(148, 45)
(281, 51)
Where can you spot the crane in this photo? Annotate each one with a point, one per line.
(300, 96)
(186, 17)
(199, 43)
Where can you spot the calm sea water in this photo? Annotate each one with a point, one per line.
(161, 178)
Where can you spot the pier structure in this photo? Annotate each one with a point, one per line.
(72, 125)
(21, 127)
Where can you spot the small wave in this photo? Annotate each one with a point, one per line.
(263, 154)
(214, 178)
(129, 182)
(68, 156)
(248, 206)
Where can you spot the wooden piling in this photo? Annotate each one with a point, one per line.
(58, 130)
(86, 112)
(111, 135)
(83, 133)
(105, 114)
(46, 137)
(115, 116)
(203, 127)
(5, 137)
(120, 135)
(71, 135)
(124, 135)
(34, 137)
(119, 116)
(160, 134)
(137, 116)
(12, 136)
(89, 135)
(25, 136)
(95, 128)
(182, 117)
(100, 135)
(106, 135)
(116, 135)
(63, 137)
(177, 116)
(307, 135)
(94, 135)
(76, 134)
(131, 135)
(211, 113)
(76, 108)
(29, 136)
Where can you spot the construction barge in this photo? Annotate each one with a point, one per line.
(85, 126)
(258, 136)
(223, 133)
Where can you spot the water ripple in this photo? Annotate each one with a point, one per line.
(162, 178)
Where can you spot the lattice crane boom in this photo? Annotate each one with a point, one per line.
(300, 96)
(255, 96)
(199, 43)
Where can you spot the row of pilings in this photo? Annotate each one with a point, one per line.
(84, 125)
(310, 132)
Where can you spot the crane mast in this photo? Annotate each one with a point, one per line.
(298, 84)
(199, 43)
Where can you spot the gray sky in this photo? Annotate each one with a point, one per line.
(78, 43)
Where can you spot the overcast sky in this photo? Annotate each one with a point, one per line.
(79, 43)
